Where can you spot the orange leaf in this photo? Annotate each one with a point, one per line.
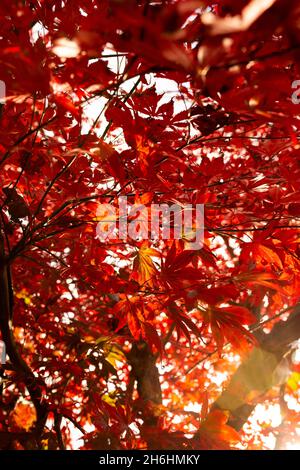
(144, 265)
(215, 431)
(24, 415)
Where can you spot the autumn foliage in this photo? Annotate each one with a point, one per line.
(148, 344)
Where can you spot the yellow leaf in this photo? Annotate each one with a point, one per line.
(113, 354)
(294, 381)
(145, 266)
(23, 294)
(110, 399)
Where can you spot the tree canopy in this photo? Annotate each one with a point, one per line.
(148, 343)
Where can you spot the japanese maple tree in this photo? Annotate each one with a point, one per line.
(149, 344)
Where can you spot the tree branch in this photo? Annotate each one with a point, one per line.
(21, 367)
